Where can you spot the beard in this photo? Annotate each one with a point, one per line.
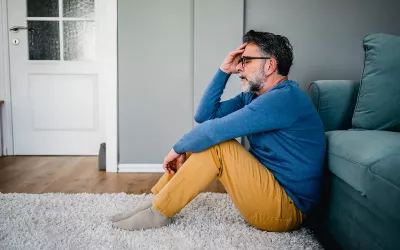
(255, 82)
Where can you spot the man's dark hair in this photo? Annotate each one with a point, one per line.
(273, 45)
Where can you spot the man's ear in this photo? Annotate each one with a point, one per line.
(271, 66)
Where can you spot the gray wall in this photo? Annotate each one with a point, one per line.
(155, 79)
(217, 31)
(326, 35)
(168, 51)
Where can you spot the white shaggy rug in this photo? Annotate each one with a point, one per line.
(80, 221)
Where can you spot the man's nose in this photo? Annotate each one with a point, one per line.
(239, 67)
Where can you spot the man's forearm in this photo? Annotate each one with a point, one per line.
(211, 99)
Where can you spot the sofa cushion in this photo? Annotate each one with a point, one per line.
(378, 102)
(335, 101)
(369, 161)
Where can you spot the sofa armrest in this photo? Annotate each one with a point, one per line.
(335, 101)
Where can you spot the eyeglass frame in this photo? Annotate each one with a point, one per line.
(243, 59)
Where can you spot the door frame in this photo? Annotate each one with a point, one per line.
(109, 80)
(5, 84)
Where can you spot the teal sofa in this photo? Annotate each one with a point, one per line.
(360, 207)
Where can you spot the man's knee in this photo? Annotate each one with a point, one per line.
(224, 145)
(229, 143)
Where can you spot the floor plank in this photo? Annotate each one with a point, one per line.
(73, 174)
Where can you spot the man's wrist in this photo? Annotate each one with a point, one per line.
(225, 71)
(174, 149)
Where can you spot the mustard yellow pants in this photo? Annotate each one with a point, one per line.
(255, 192)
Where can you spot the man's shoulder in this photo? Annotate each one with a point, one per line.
(283, 92)
(248, 97)
(292, 90)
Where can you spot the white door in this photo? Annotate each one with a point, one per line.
(56, 70)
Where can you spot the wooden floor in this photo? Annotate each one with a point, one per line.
(45, 174)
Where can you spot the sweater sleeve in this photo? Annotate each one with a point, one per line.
(268, 112)
(210, 106)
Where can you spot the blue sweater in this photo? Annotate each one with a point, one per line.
(283, 127)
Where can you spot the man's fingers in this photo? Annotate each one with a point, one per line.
(242, 46)
(169, 167)
(165, 168)
(235, 53)
(170, 170)
(238, 51)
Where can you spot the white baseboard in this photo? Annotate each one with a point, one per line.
(140, 168)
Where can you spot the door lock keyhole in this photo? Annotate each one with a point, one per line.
(15, 41)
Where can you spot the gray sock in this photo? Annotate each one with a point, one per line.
(148, 218)
(123, 216)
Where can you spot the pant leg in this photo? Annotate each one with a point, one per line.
(165, 179)
(253, 189)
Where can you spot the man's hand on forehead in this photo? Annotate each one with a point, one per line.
(231, 60)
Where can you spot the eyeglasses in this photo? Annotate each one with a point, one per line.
(243, 59)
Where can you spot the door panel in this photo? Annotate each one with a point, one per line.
(78, 112)
(55, 72)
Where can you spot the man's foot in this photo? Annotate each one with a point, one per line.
(145, 219)
(123, 216)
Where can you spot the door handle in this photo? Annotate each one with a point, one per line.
(17, 28)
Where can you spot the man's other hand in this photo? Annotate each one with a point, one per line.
(173, 161)
(231, 60)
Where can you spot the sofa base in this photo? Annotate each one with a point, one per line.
(353, 222)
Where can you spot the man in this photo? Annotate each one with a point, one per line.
(276, 182)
